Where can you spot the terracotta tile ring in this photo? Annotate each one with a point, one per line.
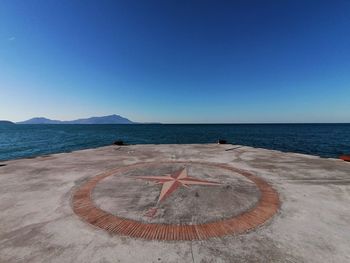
(85, 208)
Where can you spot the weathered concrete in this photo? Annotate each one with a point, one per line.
(37, 223)
(188, 206)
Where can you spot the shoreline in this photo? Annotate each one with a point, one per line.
(324, 140)
(228, 144)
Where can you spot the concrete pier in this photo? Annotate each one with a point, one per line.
(175, 203)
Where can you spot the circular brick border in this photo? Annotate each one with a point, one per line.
(85, 208)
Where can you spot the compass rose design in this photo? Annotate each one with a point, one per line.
(171, 182)
(265, 203)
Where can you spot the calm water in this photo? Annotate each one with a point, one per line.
(327, 140)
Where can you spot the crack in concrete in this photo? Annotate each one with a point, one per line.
(192, 252)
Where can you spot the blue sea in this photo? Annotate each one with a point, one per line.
(23, 141)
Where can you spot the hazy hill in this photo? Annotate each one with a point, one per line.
(39, 120)
(6, 122)
(110, 119)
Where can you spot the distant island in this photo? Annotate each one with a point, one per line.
(6, 122)
(110, 119)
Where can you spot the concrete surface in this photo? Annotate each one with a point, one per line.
(37, 223)
(127, 197)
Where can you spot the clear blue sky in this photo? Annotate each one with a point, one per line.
(176, 61)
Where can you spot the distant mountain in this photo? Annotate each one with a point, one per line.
(110, 119)
(6, 122)
(39, 120)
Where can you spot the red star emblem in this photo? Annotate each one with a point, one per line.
(172, 182)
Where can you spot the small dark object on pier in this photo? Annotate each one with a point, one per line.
(222, 141)
(119, 142)
(345, 158)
